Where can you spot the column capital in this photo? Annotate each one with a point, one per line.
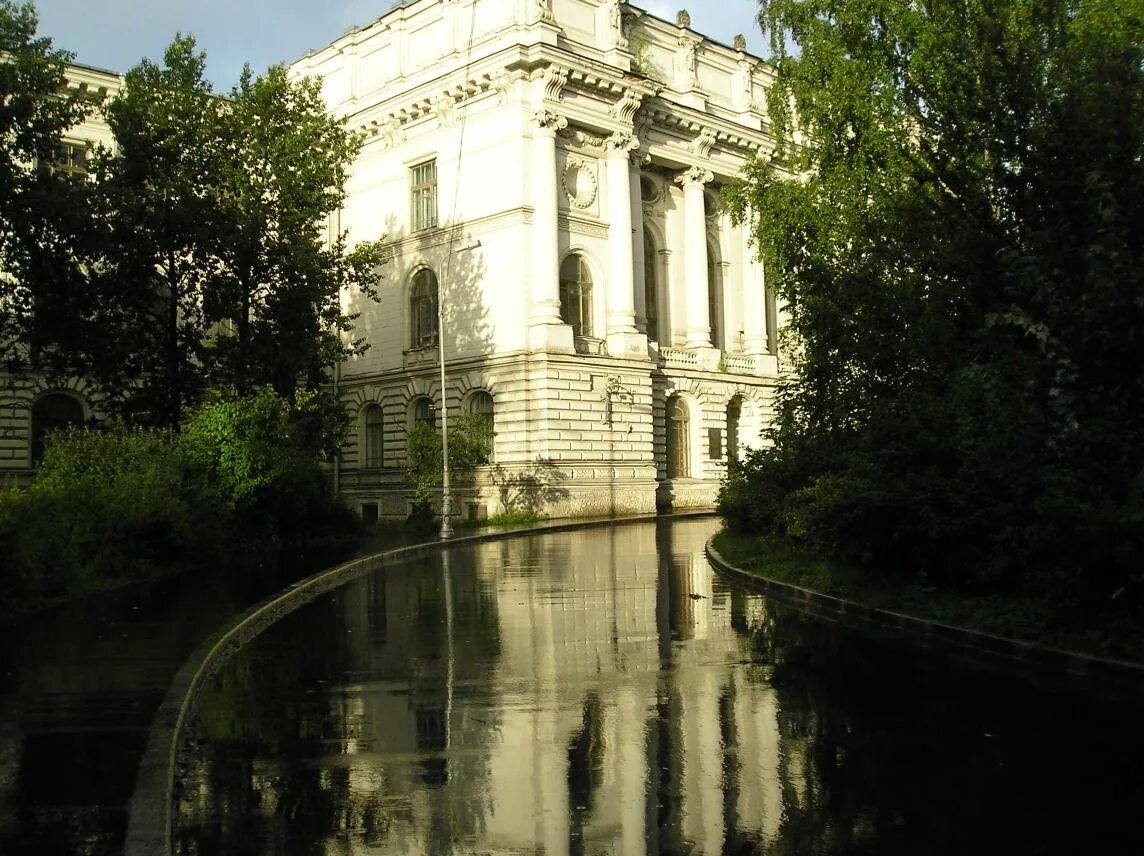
(695, 175)
(622, 143)
(550, 121)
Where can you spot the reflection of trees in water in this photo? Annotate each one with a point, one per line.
(585, 770)
(887, 748)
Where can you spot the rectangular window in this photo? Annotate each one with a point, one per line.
(423, 195)
(70, 159)
(715, 443)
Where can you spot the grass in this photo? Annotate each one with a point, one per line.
(1028, 618)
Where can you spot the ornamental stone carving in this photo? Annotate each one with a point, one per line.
(555, 79)
(683, 19)
(621, 142)
(701, 146)
(541, 11)
(625, 109)
(695, 175)
(685, 74)
(579, 182)
(550, 121)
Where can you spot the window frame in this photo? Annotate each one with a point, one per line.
(417, 417)
(373, 437)
(423, 195)
(424, 329)
(577, 294)
(677, 431)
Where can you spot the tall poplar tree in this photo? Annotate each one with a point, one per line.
(963, 264)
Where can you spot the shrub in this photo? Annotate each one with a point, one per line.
(105, 505)
(260, 454)
(470, 446)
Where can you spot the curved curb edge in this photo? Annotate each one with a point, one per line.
(998, 650)
(150, 812)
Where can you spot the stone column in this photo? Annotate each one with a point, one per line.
(695, 257)
(546, 330)
(754, 298)
(623, 338)
(638, 282)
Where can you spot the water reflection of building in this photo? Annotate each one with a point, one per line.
(602, 704)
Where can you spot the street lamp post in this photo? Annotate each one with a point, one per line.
(446, 492)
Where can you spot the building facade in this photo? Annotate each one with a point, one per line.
(548, 173)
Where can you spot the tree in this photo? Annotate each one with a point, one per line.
(35, 110)
(279, 296)
(961, 261)
(144, 335)
(210, 265)
(470, 446)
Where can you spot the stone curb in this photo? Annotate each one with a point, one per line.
(150, 821)
(1000, 651)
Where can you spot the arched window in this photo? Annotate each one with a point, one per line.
(423, 414)
(734, 411)
(482, 405)
(651, 288)
(576, 295)
(678, 439)
(715, 295)
(50, 413)
(374, 432)
(423, 309)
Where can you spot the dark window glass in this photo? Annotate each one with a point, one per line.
(651, 289)
(51, 413)
(374, 432)
(423, 182)
(423, 309)
(678, 457)
(576, 295)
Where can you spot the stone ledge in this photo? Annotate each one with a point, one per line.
(984, 648)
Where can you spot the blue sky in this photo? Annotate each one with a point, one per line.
(116, 34)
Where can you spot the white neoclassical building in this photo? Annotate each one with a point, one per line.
(549, 170)
(548, 173)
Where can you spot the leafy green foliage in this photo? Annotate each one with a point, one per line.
(960, 257)
(35, 203)
(106, 505)
(245, 446)
(123, 502)
(207, 260)
(470, 446)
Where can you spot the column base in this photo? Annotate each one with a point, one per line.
(554, 338)
(630, 346)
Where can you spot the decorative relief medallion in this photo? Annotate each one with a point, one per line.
(580, 182)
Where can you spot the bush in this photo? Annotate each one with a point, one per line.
(126, 503)
(105, 505)
(260, 454)
(470, 446)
